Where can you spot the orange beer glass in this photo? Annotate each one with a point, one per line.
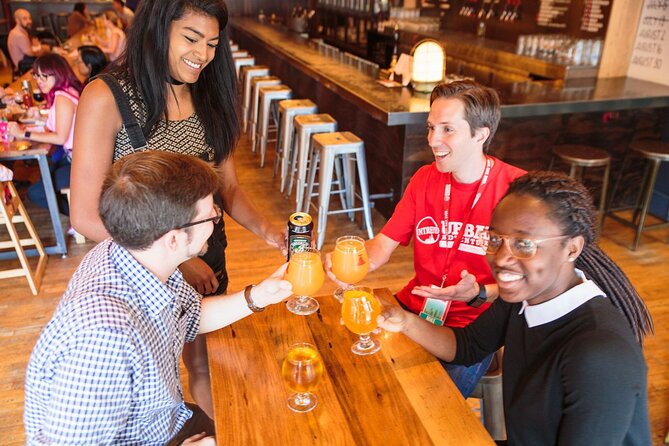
(305, 273)
(349, 259)
(359, 311)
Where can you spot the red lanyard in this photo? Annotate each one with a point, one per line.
(446, 208)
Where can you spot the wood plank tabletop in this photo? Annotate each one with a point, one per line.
(398, 396)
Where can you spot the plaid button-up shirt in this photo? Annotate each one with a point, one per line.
(106, 368)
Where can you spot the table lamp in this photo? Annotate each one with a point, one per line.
(429, 65)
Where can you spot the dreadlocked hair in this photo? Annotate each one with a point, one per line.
(571, 207)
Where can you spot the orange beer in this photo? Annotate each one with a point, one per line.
(305, 273)
(359, 310)
(349, 259)
(302, 368)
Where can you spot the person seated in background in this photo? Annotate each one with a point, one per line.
(105, 369)
(61, 89)
(78, 20)
(124, 13)
(23, 47)
(442, 208)
(570, 322)
(89, 61)
(114, 44)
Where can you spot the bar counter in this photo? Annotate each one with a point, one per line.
(391, 121)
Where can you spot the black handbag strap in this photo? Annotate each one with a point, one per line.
(135, 134)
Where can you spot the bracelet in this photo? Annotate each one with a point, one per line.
(249, 301)
(26, 135)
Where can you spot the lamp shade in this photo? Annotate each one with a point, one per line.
(429, 65)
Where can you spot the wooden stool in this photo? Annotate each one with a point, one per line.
(489, 391)
(78, 238)
(655, 152)
(288, 110)
(579, 157)
(327, 147)
(13, 212)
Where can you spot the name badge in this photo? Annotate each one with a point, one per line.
(435, 311)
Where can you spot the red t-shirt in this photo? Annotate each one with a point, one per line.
(420, 213)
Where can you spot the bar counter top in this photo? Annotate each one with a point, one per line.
(400, 106)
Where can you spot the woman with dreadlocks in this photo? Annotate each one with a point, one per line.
(568, 317)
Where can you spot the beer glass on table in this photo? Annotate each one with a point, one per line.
(359, 312)
(305, 272)
(301, 370)
(349, 261)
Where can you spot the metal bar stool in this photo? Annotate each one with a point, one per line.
(268, 95)
(579, 157)
(655, 152)
(246, 74)
(256, 83)
(489, 391)
(288, 110)
(305, 127)
(243, 62)
(233, 47)
(327, 147)
(239, 53)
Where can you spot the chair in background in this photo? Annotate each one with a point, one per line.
(489, 391)
(78, 238)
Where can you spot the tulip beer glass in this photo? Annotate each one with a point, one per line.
(301, 370)
(305, 273)
(349, 261)
(359, 312)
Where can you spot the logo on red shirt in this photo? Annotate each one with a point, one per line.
(427, 231)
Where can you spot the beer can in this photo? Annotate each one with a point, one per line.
(300, 229)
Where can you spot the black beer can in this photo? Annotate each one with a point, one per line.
(300, 228)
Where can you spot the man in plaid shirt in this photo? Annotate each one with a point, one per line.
(105, 369)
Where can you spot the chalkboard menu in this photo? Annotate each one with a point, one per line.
(595, 13)
(553, 13)
(650, 60)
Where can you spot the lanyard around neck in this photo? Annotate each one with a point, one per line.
(446, 211)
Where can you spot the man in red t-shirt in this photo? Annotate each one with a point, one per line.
(446, 208)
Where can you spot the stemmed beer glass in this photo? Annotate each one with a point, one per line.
(349, 261)
(359, 312)
(305, 273)
(301, 370)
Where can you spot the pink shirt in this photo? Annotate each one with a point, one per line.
(51, 120)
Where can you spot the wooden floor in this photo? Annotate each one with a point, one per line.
(22, 315)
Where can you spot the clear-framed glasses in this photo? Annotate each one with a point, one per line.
(215, 219)
(41, 76)
(521, 247)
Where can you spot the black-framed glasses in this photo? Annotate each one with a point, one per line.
(215, 219)
(520, 247)
(41, 76)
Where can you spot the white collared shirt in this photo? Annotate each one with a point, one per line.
(561, 305)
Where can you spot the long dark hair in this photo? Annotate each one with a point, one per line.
(54, 65)
(215, 92)
(572, 209)
(93, 56)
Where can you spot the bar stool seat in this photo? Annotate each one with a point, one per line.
(655, 152)
(305, 127)
(247, 73)
(580, 157)
(288, 110)
(327, 147)
(239, 53)
(268, 95)
(256, 83)
(243, 62)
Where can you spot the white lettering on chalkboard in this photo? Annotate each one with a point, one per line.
(650, 47)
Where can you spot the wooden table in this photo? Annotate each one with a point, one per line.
(16, 150)
(398, 396)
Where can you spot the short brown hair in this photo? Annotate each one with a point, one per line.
(482, 105)
(147, 194)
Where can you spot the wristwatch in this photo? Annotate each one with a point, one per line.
(480, 298)
(249, 301)
(26, 135)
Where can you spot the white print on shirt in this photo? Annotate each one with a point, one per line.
(427, 230)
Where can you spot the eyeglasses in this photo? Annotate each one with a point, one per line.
(41, 76)
(520, 247)
(215, 219)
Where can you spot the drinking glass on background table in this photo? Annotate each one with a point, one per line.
(349, 261)
(301, 370)
(305, 272)
(359, 311)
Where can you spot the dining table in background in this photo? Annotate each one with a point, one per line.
(398, 396)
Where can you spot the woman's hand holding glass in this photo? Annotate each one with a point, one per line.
(359, 312)
(305, 273)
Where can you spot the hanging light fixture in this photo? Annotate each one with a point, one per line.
(429, 65)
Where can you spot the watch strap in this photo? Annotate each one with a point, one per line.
(249, 301)
(480, 298)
